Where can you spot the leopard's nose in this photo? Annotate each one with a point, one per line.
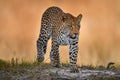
(73, 36)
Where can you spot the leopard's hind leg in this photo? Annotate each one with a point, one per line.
(42, 42)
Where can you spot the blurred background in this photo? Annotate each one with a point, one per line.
(99, 40)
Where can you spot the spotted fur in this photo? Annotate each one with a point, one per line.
(64, 30)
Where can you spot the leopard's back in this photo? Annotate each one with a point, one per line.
(52, 13)
(51, 18)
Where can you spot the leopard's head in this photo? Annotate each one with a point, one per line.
(72, 24)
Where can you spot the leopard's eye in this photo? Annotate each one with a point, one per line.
(71, 26)
(78, 26)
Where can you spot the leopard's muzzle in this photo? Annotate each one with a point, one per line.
(74, 36)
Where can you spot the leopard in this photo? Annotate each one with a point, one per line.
(63, 29)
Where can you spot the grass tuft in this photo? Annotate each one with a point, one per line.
(15, 64)
(4, 64)
(65, 64)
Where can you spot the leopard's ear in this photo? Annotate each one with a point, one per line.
(79, 17)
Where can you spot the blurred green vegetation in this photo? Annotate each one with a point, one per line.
(14, 63)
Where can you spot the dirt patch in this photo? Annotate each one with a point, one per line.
(51, 73)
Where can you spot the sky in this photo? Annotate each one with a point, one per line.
(99, 39)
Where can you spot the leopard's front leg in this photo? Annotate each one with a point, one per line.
(54, 55)
(73, 57)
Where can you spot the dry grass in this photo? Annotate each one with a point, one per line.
(14, 64)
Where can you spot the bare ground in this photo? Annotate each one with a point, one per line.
(47, 72)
